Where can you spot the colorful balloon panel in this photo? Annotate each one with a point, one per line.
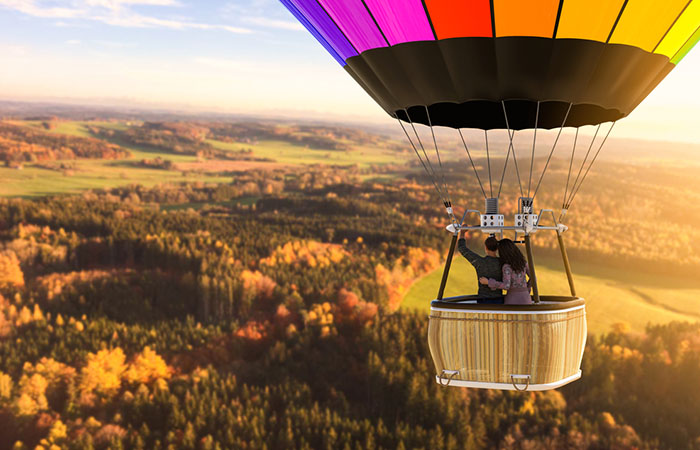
(468, 18)
(454, 62)
(588, 19)
(311, 29)
(531, 18)
(644, 23)
(324, 25)
(401, 20)
(677, 36)
(350, 27)
(690, 43)
(354, 20)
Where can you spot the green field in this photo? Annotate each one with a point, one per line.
(608, 301)
(33, 181)
(289, 154)
(88, 174)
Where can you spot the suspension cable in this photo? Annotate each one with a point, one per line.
(591, 165)
(583, 164)
(568, 176)
(534, 143)
(561, 128)
(430, 176)
(488, 161)
(437, 151)
(505, 166)
(430, 164)
(511, 135)
(472, 162)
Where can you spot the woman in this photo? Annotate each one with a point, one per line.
(515, 274)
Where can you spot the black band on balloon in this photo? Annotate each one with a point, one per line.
(462, 81)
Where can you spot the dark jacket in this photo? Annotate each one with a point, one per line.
(486, 266)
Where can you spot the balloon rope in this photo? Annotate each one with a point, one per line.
(583, 164)
(505, 165)
(430, 164)
(432, 179)
(549, 158)
(472, 162)
(591, 165)
(534, 143)
(437, 151)
(568, 176)
(488, 161)
(511, 135)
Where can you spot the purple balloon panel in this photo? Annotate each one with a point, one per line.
(310, 28)
(354, 20)
(401, 20)
(325, 27)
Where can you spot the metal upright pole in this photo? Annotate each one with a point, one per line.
(531, 263)
(448, 263)
(567, 266)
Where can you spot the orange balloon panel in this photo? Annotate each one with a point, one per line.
(644, 23)
(525, 18)
(588, 19)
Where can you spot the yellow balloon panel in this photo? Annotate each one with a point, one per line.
(588, 19)
(530, 18)
(645, 22)
(684, 27)
(690, 43)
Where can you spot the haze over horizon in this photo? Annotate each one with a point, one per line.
(248, 57)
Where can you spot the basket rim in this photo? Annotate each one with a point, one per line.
(547, 303)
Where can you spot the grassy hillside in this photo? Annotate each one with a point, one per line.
(33, 181)
(608, 301)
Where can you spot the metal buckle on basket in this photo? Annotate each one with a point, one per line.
(451, 373)
(520, 377)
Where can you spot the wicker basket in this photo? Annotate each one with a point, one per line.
(516, 347)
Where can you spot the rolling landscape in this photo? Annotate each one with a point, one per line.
(225, 282)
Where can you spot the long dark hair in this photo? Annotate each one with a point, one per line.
(508, 253)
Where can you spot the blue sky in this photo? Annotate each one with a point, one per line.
(245, 56)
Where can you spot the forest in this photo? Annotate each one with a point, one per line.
(20, 144)
(263, 308)
(128, 322)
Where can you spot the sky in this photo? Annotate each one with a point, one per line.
(243, 56)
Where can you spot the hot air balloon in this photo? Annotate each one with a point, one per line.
(506, 65)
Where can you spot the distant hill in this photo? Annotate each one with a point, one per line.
(19, 143)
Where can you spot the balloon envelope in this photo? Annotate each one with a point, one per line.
(461, 63)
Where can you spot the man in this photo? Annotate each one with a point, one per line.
(487, 266)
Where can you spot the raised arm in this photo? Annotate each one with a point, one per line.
(507, 277)
(473, 257)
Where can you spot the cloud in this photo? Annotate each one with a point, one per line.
(274, 23)
(261, 13)
(238, 66)
(118, 13)
(13, 50)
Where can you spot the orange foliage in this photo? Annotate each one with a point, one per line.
(9, 315)
(5, 318)
(54, 284)
(405, 271)
(10, 272)
(102, 375)
(253, 330)
(349, 308)
(320, 316)
(259, 285)
(306, 254)
(32, 395)
(148, 366)
(56, 373)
